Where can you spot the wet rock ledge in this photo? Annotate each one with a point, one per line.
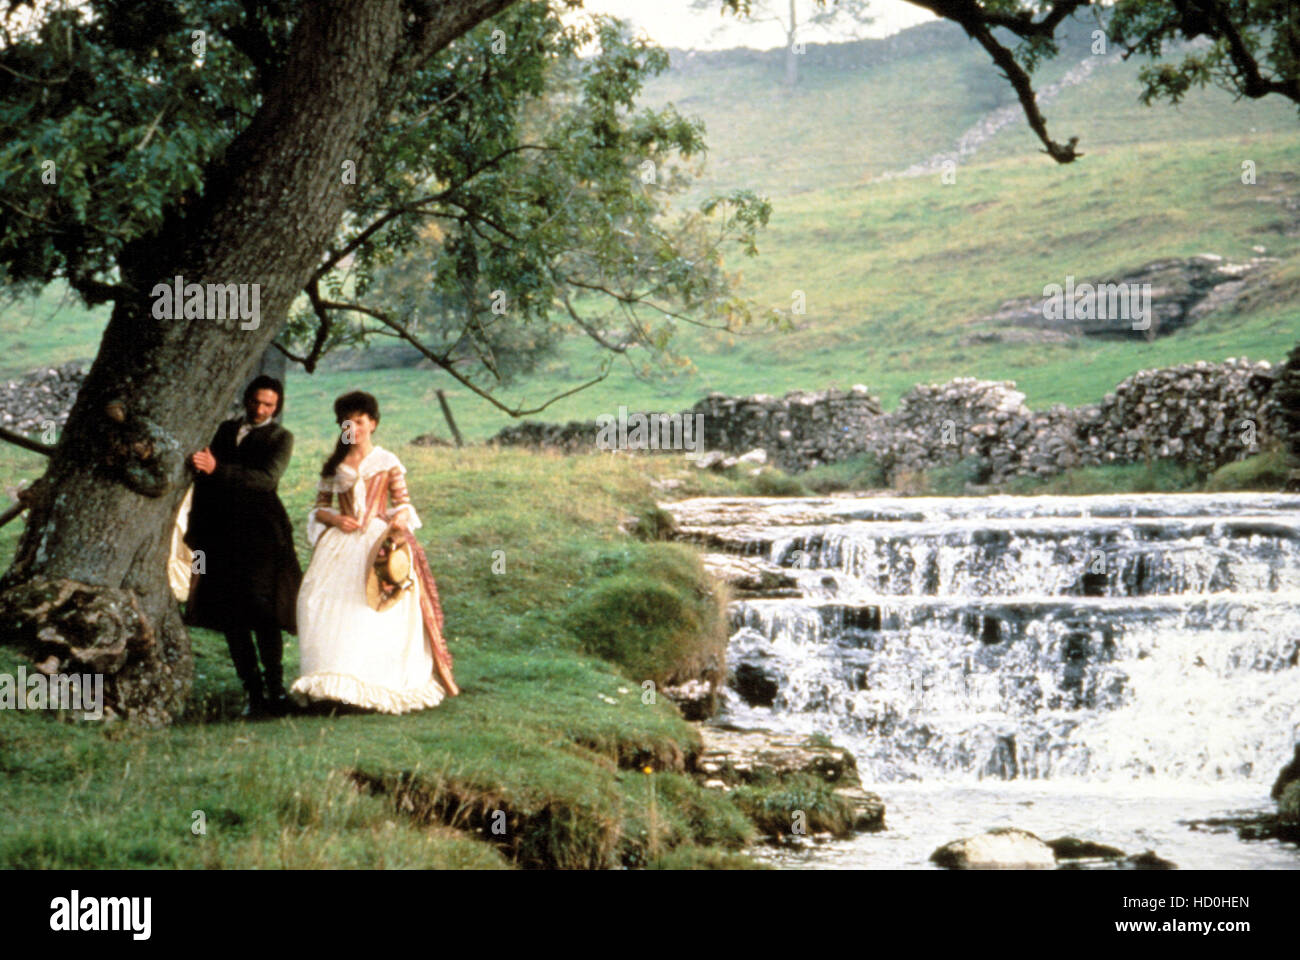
(732, 758)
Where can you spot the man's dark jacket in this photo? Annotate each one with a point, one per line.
(251, 573)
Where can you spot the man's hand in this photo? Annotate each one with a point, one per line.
(204, 461)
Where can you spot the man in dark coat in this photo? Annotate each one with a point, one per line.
(248, 575)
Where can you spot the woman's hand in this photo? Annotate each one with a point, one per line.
(344, 522)
(400, 520)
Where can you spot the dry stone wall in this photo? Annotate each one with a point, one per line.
(40, 398)
(1206, 414)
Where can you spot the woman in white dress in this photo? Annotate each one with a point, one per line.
(392, 661)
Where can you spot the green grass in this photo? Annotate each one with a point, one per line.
(842, 126)
(862, 472)
(1160, 476)
(537, 763)
(896, 274)
(799, 803)
(1265, 471)
(48, 330)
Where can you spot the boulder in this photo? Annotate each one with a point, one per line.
(711, 460)
(755, 683)
(696, 699)
(1072, 848)
(1147, 860)
(1001, 847)
(1288, 775)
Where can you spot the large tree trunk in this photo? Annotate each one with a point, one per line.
(87, 591)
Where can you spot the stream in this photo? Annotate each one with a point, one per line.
(1108, 667)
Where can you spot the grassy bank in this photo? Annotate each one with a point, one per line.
(553, 756)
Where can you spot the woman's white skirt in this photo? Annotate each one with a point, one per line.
(351, 653)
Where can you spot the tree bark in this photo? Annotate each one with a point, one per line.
(791, 58)
(87, 591)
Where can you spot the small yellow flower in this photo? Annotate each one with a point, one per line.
(647, 769)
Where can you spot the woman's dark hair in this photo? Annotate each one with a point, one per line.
(264, 382)
(358, 401)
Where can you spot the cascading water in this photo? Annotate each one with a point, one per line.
(1084, 642)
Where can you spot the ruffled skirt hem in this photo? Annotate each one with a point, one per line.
(349, 689)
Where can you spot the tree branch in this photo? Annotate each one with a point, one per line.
(27, 443)
(1255, 85)
(976, 21)
(23, 76)
(414, 207)
(446, 364)
(591, 331)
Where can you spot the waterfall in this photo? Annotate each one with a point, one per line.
(1106, 638)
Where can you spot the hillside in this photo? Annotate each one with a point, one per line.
(895, 272)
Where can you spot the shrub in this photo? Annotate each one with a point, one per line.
(863, 472)
(952, 480)
(771, 482)
(653, 523)
(1159, 476)
(1288, 805)
(1264, 471)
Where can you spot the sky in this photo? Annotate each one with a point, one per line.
(672, 23)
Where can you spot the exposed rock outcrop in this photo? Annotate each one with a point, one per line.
(1178, 290)
(732, 757)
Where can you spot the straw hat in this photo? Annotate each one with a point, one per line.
(390, 571)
